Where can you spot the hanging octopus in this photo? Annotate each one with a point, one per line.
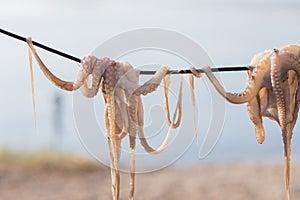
(273, 92)
(124, 113)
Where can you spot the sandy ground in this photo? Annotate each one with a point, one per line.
(234, 181)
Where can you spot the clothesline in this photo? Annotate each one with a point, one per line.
(143, 72)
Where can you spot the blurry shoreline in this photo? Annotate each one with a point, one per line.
(47, 176)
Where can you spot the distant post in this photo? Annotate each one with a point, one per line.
(57, 122)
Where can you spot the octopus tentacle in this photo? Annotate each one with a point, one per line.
(132, 166)
(254, 111)
(278, 100)
(166, 105)
(291, 116)
(65, 85)
(133, 107)
(290, 127)
(268, 108)
(129, 77)
(87, 67)
(87, 89)
(291, 96)
(262, 104)
(258, 80)
(283, 61)
(152, 84)
(196, 74)
(110, 81)
(122, 120)
(166, 81)
(236, 98)
(113, 148)
(277, 87)
(32, 87)
(268, 104)
(132, 140)
(113, 142)
(141, 135)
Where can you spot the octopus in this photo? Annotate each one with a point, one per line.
(124, 114)
(273, 92)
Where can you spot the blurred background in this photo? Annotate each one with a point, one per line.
(231, 32)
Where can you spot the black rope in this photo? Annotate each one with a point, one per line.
(68, 56)
(41, 46)
(187, 71)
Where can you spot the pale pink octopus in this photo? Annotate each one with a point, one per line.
(272, 92)
(124, 110)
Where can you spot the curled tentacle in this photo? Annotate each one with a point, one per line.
(195, 72)
(255, 83)
(65, 85)
(236, 98)
(141, 135)
(167, 110)
(152, 84)
(89, 66)
(149, 87)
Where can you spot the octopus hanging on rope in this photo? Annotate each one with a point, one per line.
(124, 113)
(273, 91)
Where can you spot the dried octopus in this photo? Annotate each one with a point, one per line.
(272, 91)
(124, 113)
